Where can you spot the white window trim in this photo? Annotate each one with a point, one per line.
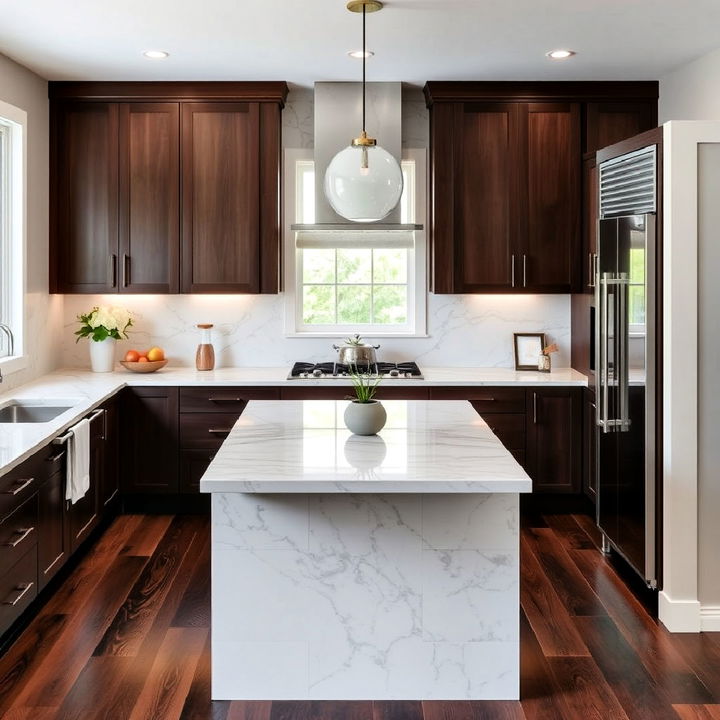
(15, 259)
(417, 284)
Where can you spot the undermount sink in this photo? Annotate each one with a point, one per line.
(31, 411)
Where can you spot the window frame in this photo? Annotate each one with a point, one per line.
(13, 234)
(417, 257)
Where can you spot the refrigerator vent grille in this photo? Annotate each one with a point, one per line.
(628, 183)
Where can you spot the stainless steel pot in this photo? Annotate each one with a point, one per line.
(358, 353)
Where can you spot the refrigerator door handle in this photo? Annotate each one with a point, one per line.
(603, 396)
(623, 284)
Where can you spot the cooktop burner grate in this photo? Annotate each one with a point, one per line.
(332, 371)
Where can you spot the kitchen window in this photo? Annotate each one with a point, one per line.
(13, 122)
(354, 281)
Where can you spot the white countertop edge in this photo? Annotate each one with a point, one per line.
(375, 487)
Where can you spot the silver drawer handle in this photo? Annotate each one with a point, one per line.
(25, 532)
(218, 431)
(24, 588)
(224, 399)
(485, 399)
(22, 485)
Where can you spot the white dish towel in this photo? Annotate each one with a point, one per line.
(78, 462)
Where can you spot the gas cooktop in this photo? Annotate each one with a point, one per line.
(336, 371)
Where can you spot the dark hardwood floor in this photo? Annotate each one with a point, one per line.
(127, 636)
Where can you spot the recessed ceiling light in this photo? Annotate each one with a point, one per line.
(359, 54)
(156, 54)
(560, 54)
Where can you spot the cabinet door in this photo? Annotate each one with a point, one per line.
(53, 549)
(149, 434)
(83, 516)
(110, 482)
(193, 465)
(554, 438)
(221, 198)
(551, 219)
(589, 445)
(84, 198)
(591, 215)
(610, 122)
(149, 197)
(486, 157)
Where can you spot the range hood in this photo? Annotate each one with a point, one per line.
(338, 118)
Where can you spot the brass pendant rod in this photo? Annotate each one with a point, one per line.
(363, 83)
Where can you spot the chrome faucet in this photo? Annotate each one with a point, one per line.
(10, 342)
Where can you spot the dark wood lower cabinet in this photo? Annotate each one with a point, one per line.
(109, 485)
(53, 544)
(589, 444)
(554, 439)
(193, 464)
(149, 435)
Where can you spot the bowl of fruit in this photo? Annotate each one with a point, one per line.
(144, 362)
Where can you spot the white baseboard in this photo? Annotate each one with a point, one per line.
(710, 618)
(681, 616)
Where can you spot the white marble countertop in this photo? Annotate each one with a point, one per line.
(303, 446)
(86, 390)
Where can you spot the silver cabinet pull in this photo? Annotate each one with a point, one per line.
(24, 533)
(126, 269)
(591, 268)
(512, 270)
(55, 458)
(20, 486)
(24, 588)
(535, 408)
(113, 270)
(524, 270)
(224, 399)
(218, 431)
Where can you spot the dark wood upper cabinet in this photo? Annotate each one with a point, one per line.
(506, 178)
(221, 197)
(552, 217)
(149, 197)
(84, 197)
(165, 187)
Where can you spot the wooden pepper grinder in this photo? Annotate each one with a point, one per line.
(205, 355)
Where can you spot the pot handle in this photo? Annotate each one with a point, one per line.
(376, 347)
(336, 347)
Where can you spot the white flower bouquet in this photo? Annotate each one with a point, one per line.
(104, 322)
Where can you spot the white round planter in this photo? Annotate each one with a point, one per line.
(365, 418)
(102, 355)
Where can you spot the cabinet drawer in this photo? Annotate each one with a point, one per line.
(509, 427)
(193, 464)
(18, 532)
(19, 484)
(205, 430)
(18, 588)
(222, 399)
(485, 399)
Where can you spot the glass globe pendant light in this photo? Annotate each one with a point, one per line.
(363, 182)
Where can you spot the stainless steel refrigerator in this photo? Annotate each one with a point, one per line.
(627, 327)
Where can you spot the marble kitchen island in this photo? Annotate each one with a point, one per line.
(348, 567)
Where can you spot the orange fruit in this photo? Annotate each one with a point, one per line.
(142, 358)
(155, 353)
(132, 356)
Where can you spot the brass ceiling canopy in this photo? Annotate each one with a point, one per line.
(370, 6)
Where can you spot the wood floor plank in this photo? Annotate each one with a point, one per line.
(249, 710)
(569, 533)
(538, 693)
(50, 683)
(136, 615)
(475, 710)
(316, 710)
(588, 524)
(638, 694)
(198, 705)
(194, 607)
(147, 535)
(549, 619)
(697, 712)
(397, 710)
(30, 713)
(584, 689)
(679, 682)
(25, 656)
(170, 677)
(576, 594)
(702, 654)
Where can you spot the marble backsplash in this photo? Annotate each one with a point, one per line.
(463, 330)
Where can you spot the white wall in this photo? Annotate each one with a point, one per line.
(43, 337)
(465, 330)
(692, 92)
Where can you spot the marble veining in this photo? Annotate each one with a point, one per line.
(341, 597)
(304, 446)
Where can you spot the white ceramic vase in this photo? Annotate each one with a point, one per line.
(365, 418)
(102, 355)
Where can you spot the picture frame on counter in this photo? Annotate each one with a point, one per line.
(528, 348)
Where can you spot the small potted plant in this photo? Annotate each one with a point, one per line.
(104, 326)
(365, 415)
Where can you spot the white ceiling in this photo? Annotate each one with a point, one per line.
(302, 41)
